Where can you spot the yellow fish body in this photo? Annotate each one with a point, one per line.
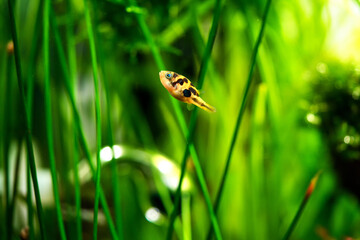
(182, 89)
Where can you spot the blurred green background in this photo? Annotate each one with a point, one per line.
(302, 116)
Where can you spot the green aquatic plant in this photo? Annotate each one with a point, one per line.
(88, 87)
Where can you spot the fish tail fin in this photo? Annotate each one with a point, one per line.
(203, 105)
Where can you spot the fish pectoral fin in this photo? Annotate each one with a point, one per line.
(203, 105)
(190, 106)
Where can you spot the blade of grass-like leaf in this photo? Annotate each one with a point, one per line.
(71, 50)
(209, 44)
(97, 111)
(110, 138)
(30, 150)
(15, 185)
(3, 233)
(72, 73)
(159, 62)
(78, 126)
(257, 225)
(6, 135)
(189, 147)
(48, 117)
(77, 187)
(242, 109)
(2, 140)
(203, 68)
(30, 93)
(307, 195)
(35, 45)
(29, 203)
(186, 216)
(114, 173)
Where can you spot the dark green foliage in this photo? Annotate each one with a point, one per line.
(335, 100)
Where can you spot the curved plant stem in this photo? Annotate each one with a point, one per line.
(307, 195)
(189, 146)
(29, 202)
(30, 93)
(190, 149)
(30, 150)
(209, 44)
(35, 46)
(72, 75)
(6, 135)
(110, 137)
(78, 126)
(49, 131)
(203, 69)
(97, 111)
(242, 110)
(16, 184)
(77, 188)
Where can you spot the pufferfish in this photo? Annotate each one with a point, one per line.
(182, 89)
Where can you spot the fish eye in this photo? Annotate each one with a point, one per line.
(168, 75)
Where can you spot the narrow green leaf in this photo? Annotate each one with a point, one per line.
(48, 120)
(190, 148)
(307, 195)
(71, 50)
(242, 109)
(30, 150)
(97, 111)
(182, 123)
(110, 137)
(78, 125)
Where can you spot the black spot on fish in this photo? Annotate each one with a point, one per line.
(185, 80)
(181, 81)
(193, 91)
(191, 84)
(187, 93)
(175, 75)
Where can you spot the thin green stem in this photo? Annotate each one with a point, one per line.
(71, 50)
(189, 146)
(15, 185)
(97, 111)
(77, 188)
(6, 135)
(48, 117)
(30, 150)
(186, 215)
(242, 109)
(182, 123)
(30, 93)
(307, 195)
(110, 137)
(146, 31)
(29, 203)
(209, 44)
(3, 233)
(72, 75)
(78, 125)
(202, 182)
(191, 149)
(35, 45)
